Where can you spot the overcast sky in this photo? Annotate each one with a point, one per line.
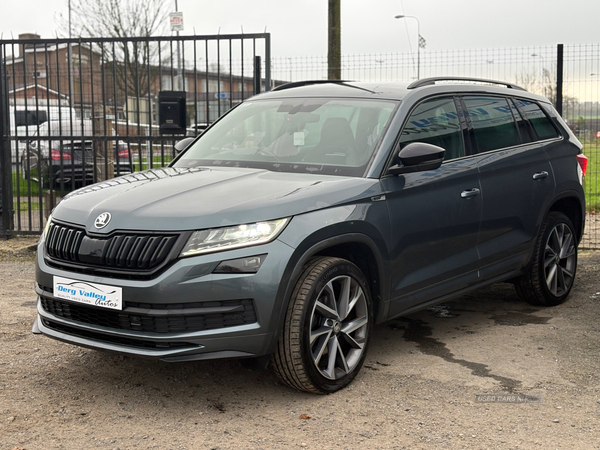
(299, 27)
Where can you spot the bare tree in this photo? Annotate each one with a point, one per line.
(528, 81)
(123, 19)
(119, 18)
(545, 84)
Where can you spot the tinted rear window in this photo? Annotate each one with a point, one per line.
(539, 120)
(493, 123)
(525, 130)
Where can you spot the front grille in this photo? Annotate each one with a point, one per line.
(63, 243)
(130, 342)
(187, 317)
(135, 252)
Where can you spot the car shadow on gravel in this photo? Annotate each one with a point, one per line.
(456, 321)
(218, 385)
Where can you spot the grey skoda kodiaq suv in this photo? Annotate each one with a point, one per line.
(308, 214)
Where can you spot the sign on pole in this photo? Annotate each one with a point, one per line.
(176, 19)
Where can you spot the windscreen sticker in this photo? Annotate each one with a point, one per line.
(299, 138)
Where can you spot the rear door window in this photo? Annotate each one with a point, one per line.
(436, 122)
(493, 123)
(525, 130)
(539, 120)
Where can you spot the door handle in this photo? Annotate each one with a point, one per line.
(540, 175)
(469, 193)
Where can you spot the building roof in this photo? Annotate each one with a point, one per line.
(37, 86)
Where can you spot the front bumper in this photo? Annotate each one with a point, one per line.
(154, 322)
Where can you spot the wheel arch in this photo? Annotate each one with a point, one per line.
(357, 248)
(571, 206)
(362, 256)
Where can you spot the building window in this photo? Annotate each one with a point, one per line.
(167, 85)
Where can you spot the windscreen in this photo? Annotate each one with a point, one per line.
(333, 136)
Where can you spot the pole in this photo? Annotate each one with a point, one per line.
(334, 52)
(542, 73)
(257, 75)
(6, 188)
(418, 49)
(179, 77)
(268, 86)
(70, 56)
(401, 16)
(559, 78)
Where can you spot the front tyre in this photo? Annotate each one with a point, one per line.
(327, 327)
(548, 279)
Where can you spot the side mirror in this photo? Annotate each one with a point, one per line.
(417, 157)
(183, 144)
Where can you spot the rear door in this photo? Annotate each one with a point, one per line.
(516, 181)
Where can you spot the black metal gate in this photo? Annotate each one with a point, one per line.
(78, 111)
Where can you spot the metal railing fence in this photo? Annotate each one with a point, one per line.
(569, 75)
(102, 95)
(122, 79)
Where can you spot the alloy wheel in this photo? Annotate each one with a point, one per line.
(339, 327)
(560, 259)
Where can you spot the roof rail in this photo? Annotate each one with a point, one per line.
(431, 81)
(294, 84)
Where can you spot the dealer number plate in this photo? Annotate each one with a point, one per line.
(89, 293)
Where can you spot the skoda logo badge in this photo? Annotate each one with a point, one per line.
(102, 220)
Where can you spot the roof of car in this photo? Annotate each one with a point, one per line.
(395, 90)
(339, 88)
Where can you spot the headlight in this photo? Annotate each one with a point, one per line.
(47, 227)
(218, 239)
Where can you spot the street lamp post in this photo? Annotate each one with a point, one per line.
(543, 62)
(180, 83)
(402, 16)
(381, 62)
(70, 57)
(542, 71)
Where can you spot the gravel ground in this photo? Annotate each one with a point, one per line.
(418, 389)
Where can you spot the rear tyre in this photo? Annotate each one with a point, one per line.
(327, 327)
(548, 279)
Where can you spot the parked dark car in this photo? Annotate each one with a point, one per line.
(63, 152)
(308, 214)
